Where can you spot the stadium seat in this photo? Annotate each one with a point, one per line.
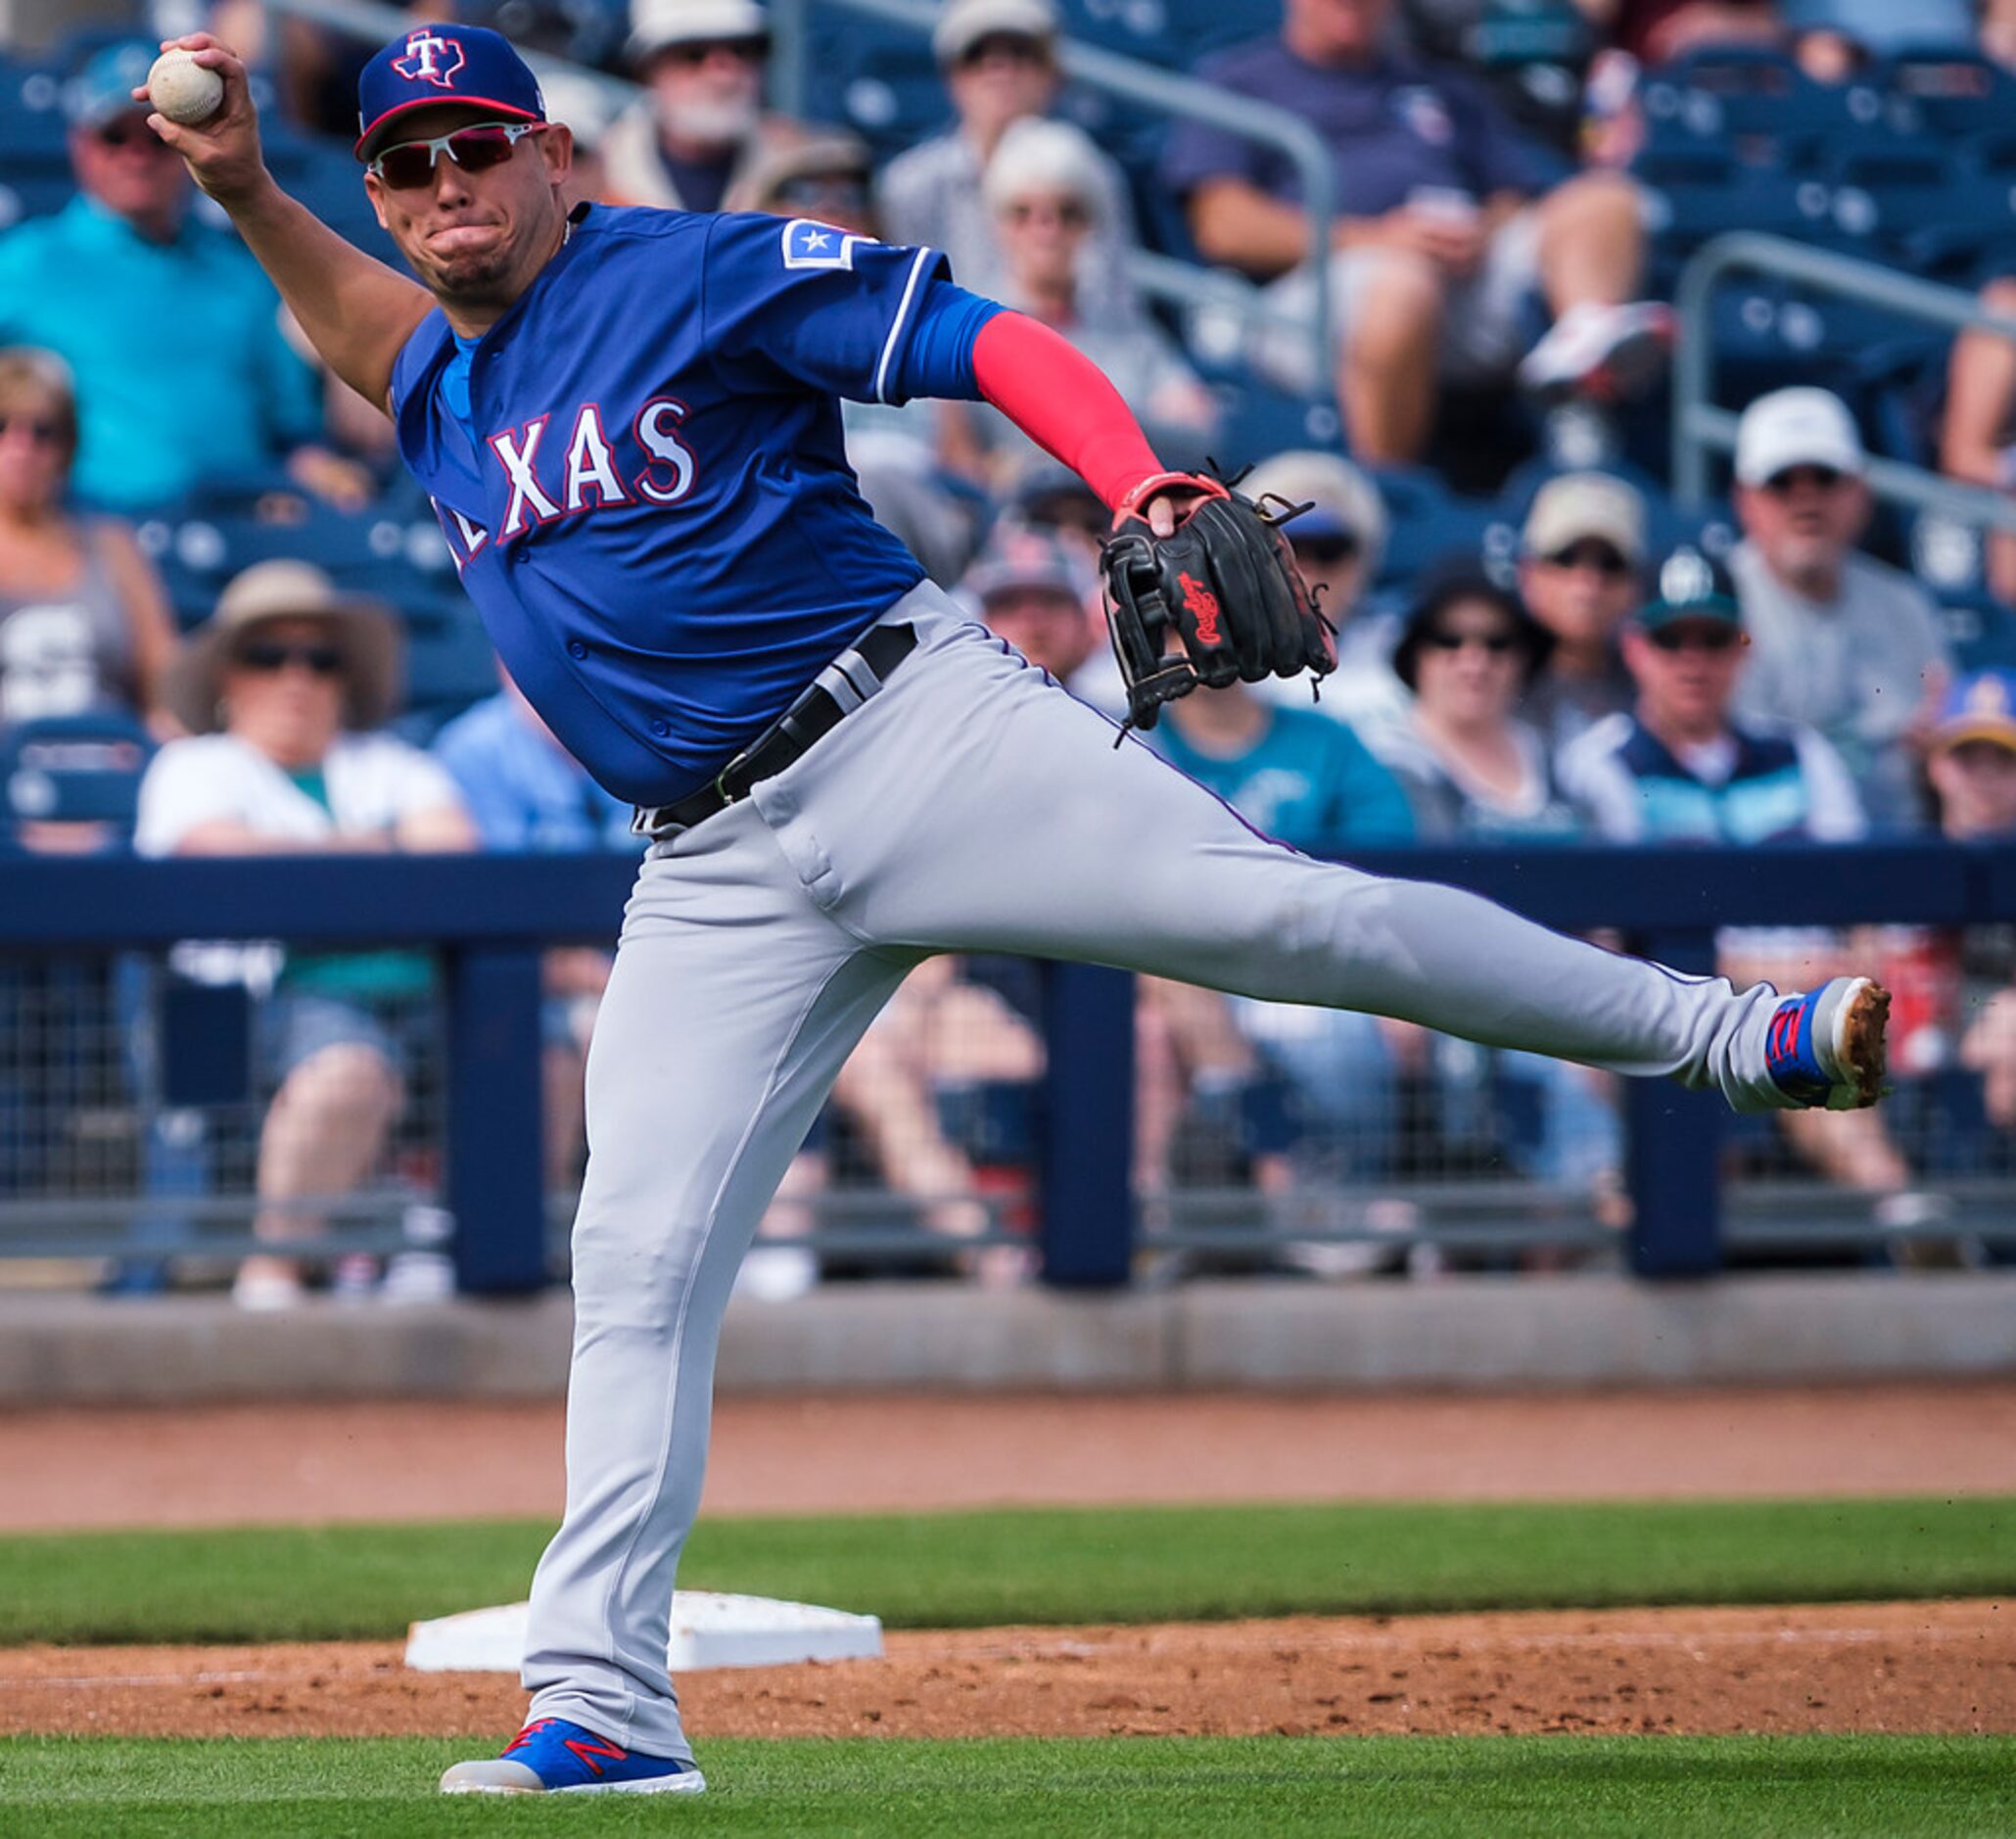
(1174, 33)
(1945, 90)
(1256, 419)
(74, 770)
(1933, 209)
(30, 109)
(1693, 198)
(1428, 524)
(874, 76)
(34, 185)
(1978, 630)
(323, 176)
(1724, 92)
(393, 549)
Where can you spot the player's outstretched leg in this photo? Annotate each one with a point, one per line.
(1034, 834)
(732, 1002)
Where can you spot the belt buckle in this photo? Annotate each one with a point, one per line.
(721, 787)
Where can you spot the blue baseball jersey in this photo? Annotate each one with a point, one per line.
(648, 500)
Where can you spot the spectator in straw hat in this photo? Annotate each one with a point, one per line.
(694, 133)
(999, 64)
(284, 691)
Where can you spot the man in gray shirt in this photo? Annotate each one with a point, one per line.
(1839, 642)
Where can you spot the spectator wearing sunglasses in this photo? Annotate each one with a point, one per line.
(1475, 772)
(285, 691)
(1043, 189)
(1473, 768)
(689, 142)
(83, 621)
(172, 333)
(1685, 766)
(999, 61)
(1678, 766)
(1581, 553)
(1839, 641)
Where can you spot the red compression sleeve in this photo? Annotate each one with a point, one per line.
(1062, 401)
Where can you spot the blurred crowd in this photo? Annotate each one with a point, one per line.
(1538, 646)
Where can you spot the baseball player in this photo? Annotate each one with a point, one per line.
(627, 420)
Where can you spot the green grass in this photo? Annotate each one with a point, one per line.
(970, 1570)
(1125, 1788)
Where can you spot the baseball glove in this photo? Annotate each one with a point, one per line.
(1224, 587)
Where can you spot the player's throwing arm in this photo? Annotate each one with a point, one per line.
(355, 311)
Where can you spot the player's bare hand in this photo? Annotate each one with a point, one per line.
(1169, 507)
(222, 152)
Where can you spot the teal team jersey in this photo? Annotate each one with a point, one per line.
(181, 369)
(1309, 783)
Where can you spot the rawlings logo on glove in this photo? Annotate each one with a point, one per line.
(1224, 588)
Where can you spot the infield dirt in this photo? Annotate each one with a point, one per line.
(1921, 1667)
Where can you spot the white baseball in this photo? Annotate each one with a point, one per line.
(182, 89)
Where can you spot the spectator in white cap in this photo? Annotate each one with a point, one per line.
(1042, 189)
(999, 61)
(1839, 642)
(1582, 552)
(700, 122)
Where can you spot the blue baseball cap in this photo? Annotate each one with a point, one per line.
(103, 90)
(433, 64)
(1981, 705)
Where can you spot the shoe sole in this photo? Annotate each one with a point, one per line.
(1860, 1051)
(688, 1782)
(1632, 363)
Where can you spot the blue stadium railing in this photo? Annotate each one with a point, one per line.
(489, 915)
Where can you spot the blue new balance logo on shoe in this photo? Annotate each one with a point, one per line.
(552, 1756)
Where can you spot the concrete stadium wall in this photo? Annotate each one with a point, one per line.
(1459, 1332)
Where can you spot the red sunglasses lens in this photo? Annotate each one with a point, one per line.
(474, 149)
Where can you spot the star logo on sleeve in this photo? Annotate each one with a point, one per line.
(809, 245)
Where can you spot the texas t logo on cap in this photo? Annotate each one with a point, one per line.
(436, 66)
(429, 59)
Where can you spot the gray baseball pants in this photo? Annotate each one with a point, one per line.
(970, 806)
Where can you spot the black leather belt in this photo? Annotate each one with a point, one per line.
(847, 682)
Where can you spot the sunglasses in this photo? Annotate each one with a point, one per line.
(268, 658)
(130, 131)
(1010, 45)
(41, 432)
(475, 149)
(1325, 551)
(1599, 556)
(1496, 644)
(1820, 478)
(1696, 638)
(1068, 213)
(696, 52)
(835, 192)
